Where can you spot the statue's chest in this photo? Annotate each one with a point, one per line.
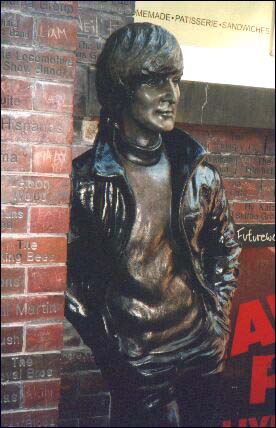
(151, 188)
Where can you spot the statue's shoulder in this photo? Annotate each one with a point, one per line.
(82, 164)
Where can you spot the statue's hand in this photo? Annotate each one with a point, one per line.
(74, 304)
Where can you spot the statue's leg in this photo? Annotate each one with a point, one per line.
(125, 415)
(167, 416)
(200, 399)
(142, 392)
(144, 399)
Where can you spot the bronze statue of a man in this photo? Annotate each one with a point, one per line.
(153, 255)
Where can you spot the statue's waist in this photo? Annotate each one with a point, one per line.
(141, 327)
(137, 305)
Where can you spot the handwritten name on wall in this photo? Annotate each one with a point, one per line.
(256, 235)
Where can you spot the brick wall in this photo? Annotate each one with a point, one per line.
(245, 158)
(38, 71)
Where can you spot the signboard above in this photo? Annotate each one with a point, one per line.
(226, 42)
(221, 24)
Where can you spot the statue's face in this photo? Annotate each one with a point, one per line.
(155, 101)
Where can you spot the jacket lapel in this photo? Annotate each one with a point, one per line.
(183, 151)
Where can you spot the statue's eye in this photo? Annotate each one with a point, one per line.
(157, 81)
(154, 81)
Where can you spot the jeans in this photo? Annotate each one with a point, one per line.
(154, 391)
(195, 404)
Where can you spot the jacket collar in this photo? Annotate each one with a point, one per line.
(179, 145)
(106, 162)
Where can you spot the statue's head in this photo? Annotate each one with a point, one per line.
(138, 73)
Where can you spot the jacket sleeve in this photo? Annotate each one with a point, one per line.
(74, 306)
(81, 243)
(222, 249)
(87, 254)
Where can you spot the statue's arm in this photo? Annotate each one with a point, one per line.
(222, 249)
(80, 245)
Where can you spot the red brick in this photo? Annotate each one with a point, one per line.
(52, 97)
(11, 339)
(32, 308)
(80, 358)
(252, 213)
(41, 418)
(92, 382)
(13, 219)
(62, 8)
(232, 140)
(44, 337)
(199, 132)
(51, 159)
(119, 7)
(244, 190)
(87, 23)
(33, 250)
(15, 157)
(99, 24)
(268, 190)
(35, 190)
(12, 280)
(56, 33)
(16, 28)
(30, 367)
(226, 164)
(49, 220)
(36, 128)
(41, 394)
(34, 63)
(88, 49)
(235, 141)
(10, 396)
(257, 274)
(253, 166)
(47, 279)
(16, 94)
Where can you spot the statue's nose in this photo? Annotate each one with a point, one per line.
(171, 91)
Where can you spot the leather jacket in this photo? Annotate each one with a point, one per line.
(102, 216)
